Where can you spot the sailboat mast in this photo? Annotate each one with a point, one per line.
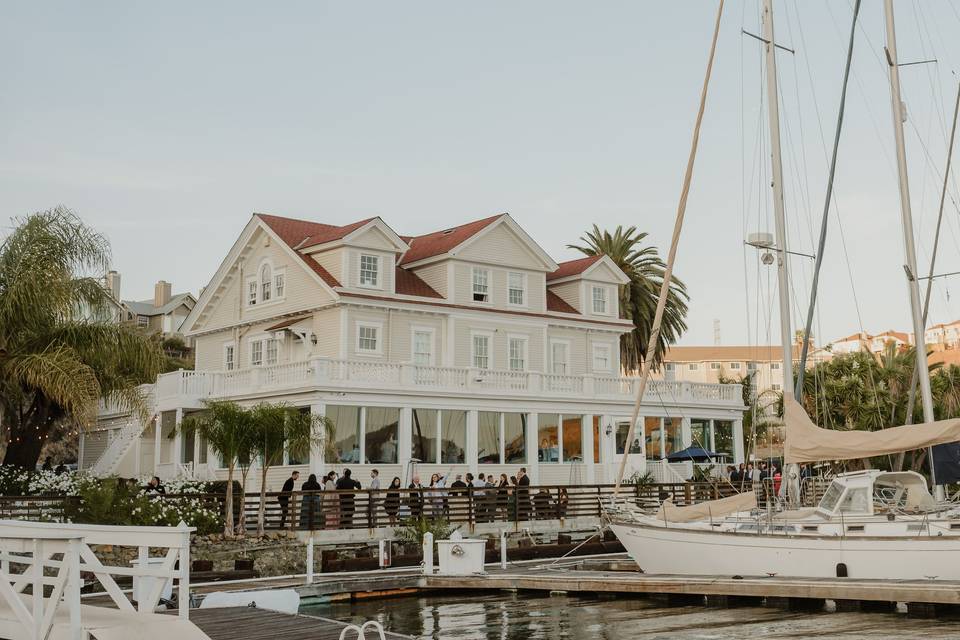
(783, 280)
(899, 116)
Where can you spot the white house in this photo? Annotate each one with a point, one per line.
(466, 349)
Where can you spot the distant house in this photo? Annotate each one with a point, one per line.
(165, 313)
(863, 341)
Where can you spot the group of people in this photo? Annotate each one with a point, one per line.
(761, 474)
(48, 466)
(504, 497)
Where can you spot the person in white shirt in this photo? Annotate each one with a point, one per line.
(375, 479)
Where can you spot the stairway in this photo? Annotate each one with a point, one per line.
(120, 445)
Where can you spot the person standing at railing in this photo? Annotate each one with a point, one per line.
(392, 502)
(415, 498)
(331, 505)
(310, 505)
(523, 494)
(284, 497)
(346, 486)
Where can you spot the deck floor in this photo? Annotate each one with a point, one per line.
(250, 623)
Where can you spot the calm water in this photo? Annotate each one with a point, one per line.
(504, 616)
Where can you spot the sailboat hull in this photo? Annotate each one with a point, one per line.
(682, 550)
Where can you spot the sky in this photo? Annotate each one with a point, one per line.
(165, 125)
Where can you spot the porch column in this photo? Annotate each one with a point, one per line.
(405, 437)
(196, 452)
(713, 439)
(317, 463)
(177, 438)
(473, 428)
(738, 455)
(588, 444)
(157, 441)
(686, 433)
(533, 466)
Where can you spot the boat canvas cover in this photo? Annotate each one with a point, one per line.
(806, 442)
(745, 501)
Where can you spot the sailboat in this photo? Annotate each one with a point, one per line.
(868, 524)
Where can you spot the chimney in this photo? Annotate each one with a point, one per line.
(113, 284)
(161, 293)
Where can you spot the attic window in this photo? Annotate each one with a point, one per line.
(481, 285)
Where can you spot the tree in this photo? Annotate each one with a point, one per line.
(227, 427)
(57, 360)
(277, 427)
(638, 298)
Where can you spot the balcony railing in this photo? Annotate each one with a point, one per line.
(364, 374)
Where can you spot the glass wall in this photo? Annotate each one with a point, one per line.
(302, 456)
(346, 429)
(673, 435)
(653, 438)
(560, 438)
(515, 438)
(700, 433)
(453, 436)
(572, 439)
(548, 437)
(424, 433)
(488, 437)
(381, 427)
(723, 437)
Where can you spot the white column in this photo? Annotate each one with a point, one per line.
(533, 468)
(738, 455)
(473, 428)
(405, 437)
(177, 438)
(588, 444)
(686, 433)
(713, 439)
(317, 463)
(157, 441)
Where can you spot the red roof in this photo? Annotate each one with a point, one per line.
(294, 232)
(287, 323)
(440, 242)
(556, 303)
(573, 267)
(409, 284)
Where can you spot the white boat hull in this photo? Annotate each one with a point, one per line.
(681, 550)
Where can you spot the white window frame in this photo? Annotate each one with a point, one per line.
(265, 283)
(473, 349)
(230, 356)
(376, 326)
(269, 342)
(377, 273)
(431, 332)
(605, 299)
(735, 366)
(253, 287)
(553, 362)
(693, 366)
(279, 284)
(143, 321)
(522, 288)
(600, 346)
(256, 352)
(525, 341)
(715, 366)
(775, 366)
(669, 366)
(488, 283)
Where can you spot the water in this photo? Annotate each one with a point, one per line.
(505, 616)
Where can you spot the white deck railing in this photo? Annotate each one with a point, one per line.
(181, 386)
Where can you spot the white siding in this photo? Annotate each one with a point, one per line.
(209, 350)
(570, 292)
(435, 275)
(501, 246)
(500, 333)
(332, 261)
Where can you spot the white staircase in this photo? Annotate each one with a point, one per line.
(120, 445)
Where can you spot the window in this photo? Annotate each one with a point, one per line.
(488, 437)
(229, 352)
(453, 436)
(346, 433)
(368, 338)
(380, 428)
(515, 288)
(481, 351)
(652, 437)
(424, 435)
(300, 454)
(670, 366)
(600, 300)
(692, 366)
(672, 435)
(560, 438)
(143, 321)
(369, 271)
(751, 366)
(252, 292)
(423, 348)
(775, 386)
(272, 348)
(266, 279)
(481, 285)
(518, 354)
(559, 357)
(714, 365)
(735, 366)
(278, 282)
(515, 438)
(774, 366)
(256, 353)
(601, 357)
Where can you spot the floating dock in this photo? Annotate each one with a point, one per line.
(251, 623)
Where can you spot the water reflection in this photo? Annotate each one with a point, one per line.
(506, 616)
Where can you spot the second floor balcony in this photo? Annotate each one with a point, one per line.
(190, 388)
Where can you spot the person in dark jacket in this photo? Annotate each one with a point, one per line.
(284, 497)
(310, 505)
(523, 494)
(415, 498)
(347, 502)
(391, 503)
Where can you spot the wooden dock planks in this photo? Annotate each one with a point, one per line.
(251, 623)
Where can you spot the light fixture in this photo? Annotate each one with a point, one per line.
(609, 430)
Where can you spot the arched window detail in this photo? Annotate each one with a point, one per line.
(265, 282)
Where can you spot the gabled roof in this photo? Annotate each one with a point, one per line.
(440, 242)
(556, 303)
(573, 267)
(410, 284)
(147, 308)
(295, 232)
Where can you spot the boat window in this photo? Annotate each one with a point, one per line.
(830, 497)
(855, 501)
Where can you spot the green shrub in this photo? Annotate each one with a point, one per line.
(412, 530)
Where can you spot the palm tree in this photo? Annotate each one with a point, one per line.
(638, 298)
(275, 427)
(227, 428)
(57, 360)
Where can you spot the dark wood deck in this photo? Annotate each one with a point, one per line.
(250, 623)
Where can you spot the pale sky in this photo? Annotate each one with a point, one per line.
(165, 125)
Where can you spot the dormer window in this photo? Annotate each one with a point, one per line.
(369, 271)
(515, 288)
(481, 285)
(600, 300)
(266, 276)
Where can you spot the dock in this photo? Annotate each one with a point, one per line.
(251, 623)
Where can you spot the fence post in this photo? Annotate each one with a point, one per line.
(503, 550)
(72, 589)
(310, 559)
(294, 509)
(470, 513)
(428, 553)
(183, 594)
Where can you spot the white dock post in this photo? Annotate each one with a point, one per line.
(428, 553)
(503, 549)
(183, 588)
(72, 589)
(310, 560)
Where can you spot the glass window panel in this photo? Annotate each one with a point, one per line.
(294, 456)
(548, 437)
(203, 451)
(422, 348)
(652, 437)
(572, 438)
(673, 435)
(278, 282)
(367, 338)
(481, 352)
(700, 433)
(488, 438)
(515, 437)
(346, 439)
(481, 288)
(272, 349)
(596, 439)
(559, 357)
(518, 354)
(256, 353)
(723, 437)
(515, 288)
(453, 436)
(425, 435)
(380, 435)
(186, 447)
(369, 269)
